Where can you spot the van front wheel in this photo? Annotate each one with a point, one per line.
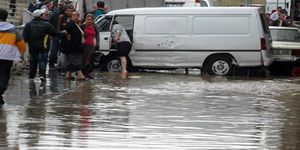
(219, 65)
(113, 64)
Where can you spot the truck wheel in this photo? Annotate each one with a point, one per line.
(220, 65)
(113, 64)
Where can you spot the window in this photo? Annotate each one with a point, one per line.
(104, 24)
(285, 35)
(126, 21)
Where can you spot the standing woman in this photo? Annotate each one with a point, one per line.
(90, 37)
(74, 47)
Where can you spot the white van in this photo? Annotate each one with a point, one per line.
(215, 39)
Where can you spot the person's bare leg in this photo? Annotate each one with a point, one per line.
(68, 75)
(123, 64)
(80, 75)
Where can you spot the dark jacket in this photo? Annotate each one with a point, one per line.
(62, 25)
(36, 34)
(62, 22)
(32, 7)
(54, 17)
(74, 45)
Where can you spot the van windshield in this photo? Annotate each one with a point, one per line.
(264, 23)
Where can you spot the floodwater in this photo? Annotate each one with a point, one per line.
(151, 111)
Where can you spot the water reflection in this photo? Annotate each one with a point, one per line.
(35, 115)
(291, 121)
(3, 129)
(154, 111)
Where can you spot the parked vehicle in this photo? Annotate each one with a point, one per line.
(285, 43)
(285, 50)
(215, 39)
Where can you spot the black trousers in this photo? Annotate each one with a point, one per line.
(5, 67)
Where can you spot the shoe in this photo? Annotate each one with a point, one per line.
(43, 79)
(1, 101)
(51, 66)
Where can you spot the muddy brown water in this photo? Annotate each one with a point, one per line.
(151, 111)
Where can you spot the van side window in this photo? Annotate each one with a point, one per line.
(104, 24)
(127, 22)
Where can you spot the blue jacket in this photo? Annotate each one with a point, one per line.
(99, 12)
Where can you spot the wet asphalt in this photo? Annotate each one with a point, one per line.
(151, 110)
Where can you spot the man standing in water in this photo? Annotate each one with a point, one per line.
(12, 46)
(36, 34)
(122, 40)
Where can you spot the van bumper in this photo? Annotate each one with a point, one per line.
(267, 60)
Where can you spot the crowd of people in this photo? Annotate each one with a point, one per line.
(57, 29)
(278, 17)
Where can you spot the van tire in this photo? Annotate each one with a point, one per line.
(220, 65)
(112, 64)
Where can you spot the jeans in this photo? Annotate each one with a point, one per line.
(5, 67)
(39, 58)
(53, 51)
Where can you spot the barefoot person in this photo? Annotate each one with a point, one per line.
(122, 40)
(74, 47)
(90, 38)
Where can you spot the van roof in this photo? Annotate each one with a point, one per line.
(184, 10)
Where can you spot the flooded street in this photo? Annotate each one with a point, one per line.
(151, 111)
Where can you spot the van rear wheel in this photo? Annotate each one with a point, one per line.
(220, 65)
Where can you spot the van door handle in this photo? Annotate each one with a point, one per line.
(106, 38)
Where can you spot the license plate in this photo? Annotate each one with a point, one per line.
(281, 52)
